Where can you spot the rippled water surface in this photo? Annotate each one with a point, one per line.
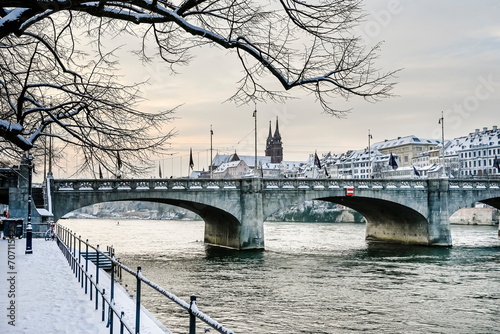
(312, 278)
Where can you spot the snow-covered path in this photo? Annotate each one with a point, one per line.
(40, 294)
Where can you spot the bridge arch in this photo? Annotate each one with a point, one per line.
(219, 203)
(393, 216)
(387, 221)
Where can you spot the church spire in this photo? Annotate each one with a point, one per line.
(277, 135)
(274, 146)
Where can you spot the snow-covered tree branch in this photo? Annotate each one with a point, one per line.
(307, 45)
(50, 90)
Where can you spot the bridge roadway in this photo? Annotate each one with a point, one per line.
(397, 211)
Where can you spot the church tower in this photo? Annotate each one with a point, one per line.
(274, 146)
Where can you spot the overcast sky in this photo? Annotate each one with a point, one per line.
(449, 53)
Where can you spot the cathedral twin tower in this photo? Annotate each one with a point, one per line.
(274, 146)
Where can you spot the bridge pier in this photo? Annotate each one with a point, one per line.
(244, 232)
(439, 214)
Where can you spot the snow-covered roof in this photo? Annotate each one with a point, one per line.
(408, 140)
(224, 166)
(249, 159)
(271, 166)
(293, 164)
(478, 139)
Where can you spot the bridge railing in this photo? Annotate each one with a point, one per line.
(146, 184)
(320, 184)
(473, 184)
(71, 246)
(266, 184)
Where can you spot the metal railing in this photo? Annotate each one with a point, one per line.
(69, 242)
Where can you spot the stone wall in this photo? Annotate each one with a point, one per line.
(475, 216)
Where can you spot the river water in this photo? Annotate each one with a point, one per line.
(312, 278)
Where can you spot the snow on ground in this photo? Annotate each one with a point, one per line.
(46, 297)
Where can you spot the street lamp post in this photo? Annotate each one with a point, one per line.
(29, 241)
(255, 163)
(211, 155)
(441, 121)
(369, 155)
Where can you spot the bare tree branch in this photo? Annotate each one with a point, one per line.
(306, 45)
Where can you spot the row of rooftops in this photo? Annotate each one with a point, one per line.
(478, 138)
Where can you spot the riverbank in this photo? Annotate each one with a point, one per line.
(44, 296)
(475, 216)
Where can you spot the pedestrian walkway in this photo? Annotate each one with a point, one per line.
(42, 294)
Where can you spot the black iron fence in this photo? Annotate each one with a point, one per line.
(77, 253)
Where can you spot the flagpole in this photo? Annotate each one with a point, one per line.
(255, 116)
(211, 152)
(441, 121)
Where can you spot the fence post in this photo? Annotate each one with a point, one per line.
(70, 239)
(103, 292)
(79, 257)
(74, 256)
(138, 302)
(121, 322)
(86, 263)
(192, 318)
(112, 295)
(112, 277)
(90, 286)
(97, 266)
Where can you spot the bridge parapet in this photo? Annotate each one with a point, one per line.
(321, 184)
(474, 184)
(145, 184)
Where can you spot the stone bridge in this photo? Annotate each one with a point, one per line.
(396, 211)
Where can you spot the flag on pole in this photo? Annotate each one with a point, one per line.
(496, 163)
(417, 173)
(392, 162)
(191, 163)
(316, 161)
(100, 172)
(159, 170)
(326, 172)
